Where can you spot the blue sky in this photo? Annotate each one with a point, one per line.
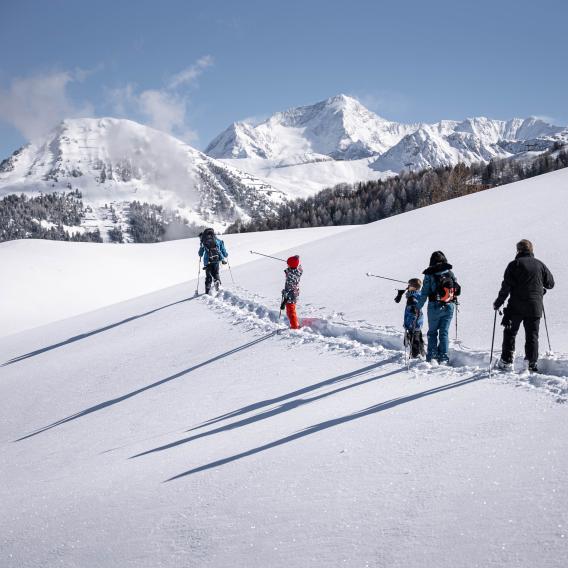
(193, 67)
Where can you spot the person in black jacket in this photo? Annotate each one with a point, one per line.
(525, 282)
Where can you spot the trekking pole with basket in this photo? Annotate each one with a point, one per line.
(546, 327)
(457, 311)
(280, 312)
(267, 256)
(198, 275)
(407, 347)
(371, 275)
(492, 343)
(230, 271)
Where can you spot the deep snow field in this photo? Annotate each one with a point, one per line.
(174, 430)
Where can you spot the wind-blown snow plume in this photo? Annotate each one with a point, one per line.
(35, 104)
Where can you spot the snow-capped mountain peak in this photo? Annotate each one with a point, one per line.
(119, 160)
(340, 128)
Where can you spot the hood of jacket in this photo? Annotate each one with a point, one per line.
(437, 268)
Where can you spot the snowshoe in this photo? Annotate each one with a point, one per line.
(504, 366)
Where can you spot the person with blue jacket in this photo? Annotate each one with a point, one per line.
(213, 251)
(441, 289)
(413, 317)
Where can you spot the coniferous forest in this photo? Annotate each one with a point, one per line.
(44, 217)
(53, 216)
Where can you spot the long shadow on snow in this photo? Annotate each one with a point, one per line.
(285, 407)
(113, 401)
(380, 407)
(93, 332)
(269, 401)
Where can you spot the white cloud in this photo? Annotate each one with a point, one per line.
(190, 74)
(35, 104)
(164, 108)
(164, 111)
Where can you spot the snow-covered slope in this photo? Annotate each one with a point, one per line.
(176, 431)
(79, 277)
(115, 160)
(341, 129)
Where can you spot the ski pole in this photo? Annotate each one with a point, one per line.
(230, 271)
(280, 312)
(385, 278)
(198, 274)
(492, 343)
(267, 255)
(546, 327)
(457, 311)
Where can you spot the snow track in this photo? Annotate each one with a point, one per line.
(363, 339)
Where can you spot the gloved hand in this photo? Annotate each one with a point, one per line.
(496, 304)
(544, 291)
(399, 295)
(224, 261)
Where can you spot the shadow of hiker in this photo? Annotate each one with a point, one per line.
(94, 332)
(122, 398)
(304, 390)
(380, 407)
(285, 407)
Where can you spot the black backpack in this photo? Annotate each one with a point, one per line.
(209, 242)
(447, 288)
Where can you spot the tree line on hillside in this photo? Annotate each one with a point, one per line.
(365, 202)
(54, 216)
(150, 223)
(43, 217)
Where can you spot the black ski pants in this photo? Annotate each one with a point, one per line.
(211, 274)
(416, 342)
(531, 325)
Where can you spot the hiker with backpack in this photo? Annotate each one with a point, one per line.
(441, 289)
(213, 251)
(291, 290)
(525, 282)
(413, 317)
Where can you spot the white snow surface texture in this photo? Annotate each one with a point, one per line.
(173, 430)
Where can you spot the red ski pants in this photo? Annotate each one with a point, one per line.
(292, 316)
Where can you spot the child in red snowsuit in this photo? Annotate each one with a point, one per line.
(291, 290)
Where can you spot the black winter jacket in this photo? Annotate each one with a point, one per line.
(525, 280)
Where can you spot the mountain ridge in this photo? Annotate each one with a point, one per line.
(342, 128)
(118, 160)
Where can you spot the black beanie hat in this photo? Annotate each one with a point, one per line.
(438, 257)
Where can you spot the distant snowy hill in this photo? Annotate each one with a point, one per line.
(118, 161)
(341, 129)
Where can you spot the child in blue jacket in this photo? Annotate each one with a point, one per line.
(413, 317)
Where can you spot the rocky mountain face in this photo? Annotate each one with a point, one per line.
(116, 161)
(341, 128)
